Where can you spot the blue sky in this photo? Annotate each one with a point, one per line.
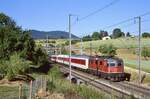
(48, 15)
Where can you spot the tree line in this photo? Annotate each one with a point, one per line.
(117, 33)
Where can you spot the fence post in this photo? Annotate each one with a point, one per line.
(30, 94)
(20, 90)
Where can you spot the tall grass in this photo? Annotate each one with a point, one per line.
(58, 84)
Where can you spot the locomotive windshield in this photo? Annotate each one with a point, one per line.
(119, 64)
(112, 63)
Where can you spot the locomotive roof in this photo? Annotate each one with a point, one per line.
(100, 57)
(92, 57)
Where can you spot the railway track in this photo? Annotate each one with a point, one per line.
(119, 89)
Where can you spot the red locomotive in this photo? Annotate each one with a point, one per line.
(107, 67)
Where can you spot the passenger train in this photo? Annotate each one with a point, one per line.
(111, 68)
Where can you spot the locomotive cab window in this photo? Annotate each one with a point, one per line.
(112, 64)
(119, 64)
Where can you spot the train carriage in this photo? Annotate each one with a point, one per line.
(76, 61)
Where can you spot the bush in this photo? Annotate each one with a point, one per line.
(87, 38)
(108, 49)
(3, 67)
(145, 34)
(40, 57)
(72, 42)
(16, 65)
(54, 74)
(145, 52)
(59, 85)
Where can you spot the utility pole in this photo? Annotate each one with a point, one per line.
(81, 49)
(139, 44)
(90, 48)
(139, 48)
(47, 44)
(60, 48)
(70, 47)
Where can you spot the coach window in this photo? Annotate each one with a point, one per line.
(111, 64)
(91, 61)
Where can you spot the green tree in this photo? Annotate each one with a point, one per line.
(8, 33)
(96, 35)
(13, 38)
(108, 50)
(40, 57)
(103, 34)
(117, 33)
(145, 34)
(16, 48)
(3, 68)
(16, 66)
(128, 34)
(87, 38)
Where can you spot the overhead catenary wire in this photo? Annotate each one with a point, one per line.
(127, 20)
(145, 14)
(94, 12)
(124, 21)
(133, 23)
(101, 9)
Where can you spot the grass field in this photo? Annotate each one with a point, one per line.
(119, 43)
(56, 42)
(145, 65)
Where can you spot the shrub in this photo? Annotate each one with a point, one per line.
(108, 49)
(3, 69)
(145, 34)
(16, 65)
(145, 52)
(58, 84)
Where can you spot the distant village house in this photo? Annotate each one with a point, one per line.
(106, 38)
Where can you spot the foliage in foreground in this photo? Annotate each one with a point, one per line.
(108, 50)
(17, 48)
(58, 84)
(14, 66)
